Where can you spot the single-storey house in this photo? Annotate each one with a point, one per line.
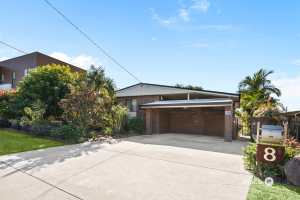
(169, 109)
(14, 69)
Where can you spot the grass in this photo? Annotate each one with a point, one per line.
(12, 141)
(259, 191)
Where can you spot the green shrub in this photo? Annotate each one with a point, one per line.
(9, 105)
(250, 157)
(135, 125)
(4, 123)
(262, 169)
(107, 130)
(118, 118)
(90, 103)
(15, 123)
(68, 132)
(42, 128)
(49, 84)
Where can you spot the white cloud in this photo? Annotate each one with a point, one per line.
(153, 38)
(296, 62)
(184, 15)
(162, 21)
(83, 61)
(200, 5)
(3, 58)
(61, 56)
(289, 87)
(182, 20)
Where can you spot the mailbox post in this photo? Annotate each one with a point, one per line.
(269, 146)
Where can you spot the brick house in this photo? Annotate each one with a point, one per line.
(168, 109)
(14, 69)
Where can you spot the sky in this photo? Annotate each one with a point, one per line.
(209, 43)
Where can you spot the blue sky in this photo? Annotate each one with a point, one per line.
(211, 43)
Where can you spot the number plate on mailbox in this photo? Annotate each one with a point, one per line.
(269, 153)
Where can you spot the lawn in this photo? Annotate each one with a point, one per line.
(259, 191)
(12, 141)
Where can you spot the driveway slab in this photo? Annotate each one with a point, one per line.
(166, 166)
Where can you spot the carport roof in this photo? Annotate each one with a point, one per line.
(188, 103)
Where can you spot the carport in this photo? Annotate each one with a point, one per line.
(195, 116)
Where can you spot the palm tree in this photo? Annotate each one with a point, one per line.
(259, 82)
(257, 90)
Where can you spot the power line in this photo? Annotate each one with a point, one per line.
(84, 34)
(12, 47)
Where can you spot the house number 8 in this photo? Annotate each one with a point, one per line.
(270, 154)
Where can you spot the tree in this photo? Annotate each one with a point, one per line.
(256, 91)
(85, 107)
(92, 103)
(48, 84)
(259, 83)
(190, 87)
(271, 109)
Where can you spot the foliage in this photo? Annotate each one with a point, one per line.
(8, 105)
(259, 190)
(90, 101)
(12, 141)
(259, 82)
(33, 114)
(270, 109)
(4, 123)
(244, 119)
(107, 130)
(292, 142)
(118, 117)
(49, 84)
(42, 128)
(190, 87)
(97, 80)
(256, 95)
(250, 157)
(84, 107)
(14, 123)
(264, 170)
(68, 132)
(135, 125)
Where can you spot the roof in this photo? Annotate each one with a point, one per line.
(292, 113)
(188, 103)
(33, 56)
(147, 89)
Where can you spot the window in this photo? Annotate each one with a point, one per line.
(131, 104)
(13, 79)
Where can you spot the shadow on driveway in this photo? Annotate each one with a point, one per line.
(44, 157)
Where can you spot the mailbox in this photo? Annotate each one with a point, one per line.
(271, 134)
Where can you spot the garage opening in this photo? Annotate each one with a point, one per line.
(204, 117)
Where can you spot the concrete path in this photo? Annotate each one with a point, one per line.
(158, 167)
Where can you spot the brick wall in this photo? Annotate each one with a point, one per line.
(196, 121)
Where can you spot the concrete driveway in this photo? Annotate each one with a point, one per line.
(166, 166)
